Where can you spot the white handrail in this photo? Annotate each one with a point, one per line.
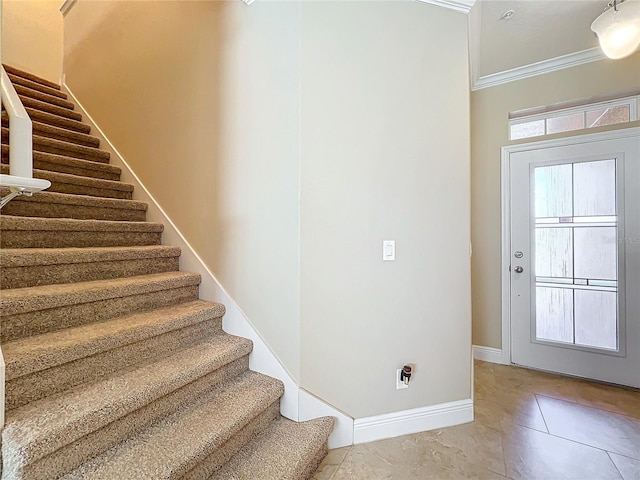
(20, 179)
(20, 156)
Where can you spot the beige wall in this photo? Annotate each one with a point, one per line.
(385, 155)
(32, 36)
(288, 139)
(201, 99)
(490, 108)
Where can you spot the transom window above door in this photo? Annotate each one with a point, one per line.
(622, 110)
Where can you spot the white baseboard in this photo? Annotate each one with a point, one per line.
(235, 322)
(416, 420)
(487, 354)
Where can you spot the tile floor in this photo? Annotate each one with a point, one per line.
(528, 425)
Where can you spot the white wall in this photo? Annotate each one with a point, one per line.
(385, 155)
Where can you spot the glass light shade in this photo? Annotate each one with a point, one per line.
(619, 31)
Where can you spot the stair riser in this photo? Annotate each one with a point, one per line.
(57, 121)
(47, 107)
(25, 207)
(66, 238)
(70, 166)
(312, 464)
(74, 185)
(65, 135)
(16, 80)
(30, 76)
(36, 275)
(205, 470)
(96, 156)
(28, 388)
(22, 325)
(75, 189)
(73, 455)
(75, 170)
(43, 97)
(64, 148)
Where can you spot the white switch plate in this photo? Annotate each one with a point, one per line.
(399, 383)
(388, 250)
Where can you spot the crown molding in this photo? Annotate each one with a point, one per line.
(539, 68)
(458, 5)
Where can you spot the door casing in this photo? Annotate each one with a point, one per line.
(506, 151)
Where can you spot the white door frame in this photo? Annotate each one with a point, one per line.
(506, 151)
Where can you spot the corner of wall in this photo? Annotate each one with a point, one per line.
(487, 354)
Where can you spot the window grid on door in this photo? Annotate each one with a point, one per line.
(576, 254)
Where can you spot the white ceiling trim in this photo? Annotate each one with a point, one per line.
(458, 5)
(67, 5)
(539, 68)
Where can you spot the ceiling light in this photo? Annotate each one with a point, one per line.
(618, 28)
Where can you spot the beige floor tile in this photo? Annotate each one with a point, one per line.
(606, 397)
(628, 467)
(602, 429)
(331, 463)
(457, 471)
(530, 454)
(503, 410)
(470, 448)
(393, 459)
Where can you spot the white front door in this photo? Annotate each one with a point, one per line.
(575, 256)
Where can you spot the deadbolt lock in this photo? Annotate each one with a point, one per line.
(518, 254)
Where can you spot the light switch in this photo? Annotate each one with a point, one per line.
(388, 250)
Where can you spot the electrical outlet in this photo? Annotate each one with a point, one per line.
(399, 383)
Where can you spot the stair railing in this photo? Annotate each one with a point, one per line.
(20, 180)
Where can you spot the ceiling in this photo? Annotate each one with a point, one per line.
(538, 30)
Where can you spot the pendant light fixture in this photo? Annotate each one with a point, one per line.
(618, 28)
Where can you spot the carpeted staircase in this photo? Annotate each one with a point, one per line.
(115, 369)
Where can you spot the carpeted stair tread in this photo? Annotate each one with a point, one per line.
(16, 80)
(42, 309)
(30, 76)
(33, 354)
(70, 136)
(286, 450)
(158, 453)
(56, 120)
(60, 147)
(43, 97)
(22, 300)
(69, 165)
(69, 149)
(23, 257)
(35, 232)
(64, 205)
(79, 185)
(39, 428)
(28, 267)
(49, 108)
